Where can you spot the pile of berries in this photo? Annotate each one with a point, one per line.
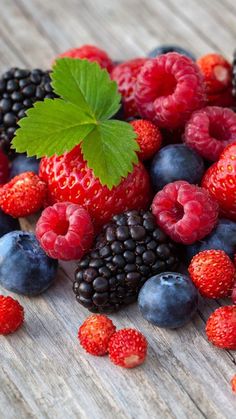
(177, 205)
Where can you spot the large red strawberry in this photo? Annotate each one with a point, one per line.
(220, 180)
(69, 179)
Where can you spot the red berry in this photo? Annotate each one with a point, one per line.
(213, 273)
(127, 348)
(221, 327)
(217, 72)
(65, 231)
(95, 334)
(125, 74)
(210, 130)
(223, 99)
(233, 383)
(220, 181)
(169, 88)
(148, 137)
(233, 296)
(90, 53)
(23, 195)
(4, 168)
(186, 213)
(11, 315)
(69, 179)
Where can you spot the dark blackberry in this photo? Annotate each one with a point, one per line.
(234, 75)
(19, 90)
(129, 250)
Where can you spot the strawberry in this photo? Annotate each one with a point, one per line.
(11, 315)
(213, 273)
(69, 179)
(233, 383)
(23, 195)
(127, 348)
(220, 181)
(95, 333)
(148, 138)
(221, 327)
(217, 72)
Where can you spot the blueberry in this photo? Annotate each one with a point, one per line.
(176, 162)
(24, 266)
(7, 223)
(168, 300)
(223, 237)
(22, 164)
(164, 49)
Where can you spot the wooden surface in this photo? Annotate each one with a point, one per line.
(44, 372)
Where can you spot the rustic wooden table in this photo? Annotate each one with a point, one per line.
(44, 371)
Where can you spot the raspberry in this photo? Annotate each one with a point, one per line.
(23, 195)
(233, 383)
(65, 231)
(11, 315)
(95, 333)
(4, 168)
(185, 212)
(90, 53)
(148, 137)
(125, 74)
(210, 130)
(127, 348)
(213, 273)
(221, 327)
(169, 88)
(217, 72)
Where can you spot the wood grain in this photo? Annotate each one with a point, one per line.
(44, 372)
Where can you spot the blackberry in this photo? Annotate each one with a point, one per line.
(19, 90)
(129, 250)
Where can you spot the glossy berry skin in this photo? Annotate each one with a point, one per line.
(210, 130)
(65, 231)
(217, 72)
(168, 300)
(24, 266)
(221, 327)
(4, 168)
(69, 179)
(164, 49)
(148, 138)
(220, 181)
(127, 348)
(233, 383)
(176, 162)
(95, 333)
(22, 164)
(168, 89)
(125, 74)
(11, 315)
(90, 53)
(185, 212)
(213, 273)
(23, 195)
(7, 223)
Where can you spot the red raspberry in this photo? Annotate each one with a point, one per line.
(4, 168)
(169, 88)
(148, 137)
(23, 195)
(69, 179)
(65, 231)
(220, 181)
(125, 74)
(95, 334)
(213, 273)
(217, 72)
(127, 348)
(186, 213)
(11, 315)
(221, 327)
(210, 130)
(90, 53)
(233, 383)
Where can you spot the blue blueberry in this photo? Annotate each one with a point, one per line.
(22, 164)
(164, 49)
(223, 237)
(24, 266)
(168, 300)
(176, 162)
(7, 223)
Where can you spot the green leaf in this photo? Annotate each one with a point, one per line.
(86, 85)
(52, 127)
(110, 150)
